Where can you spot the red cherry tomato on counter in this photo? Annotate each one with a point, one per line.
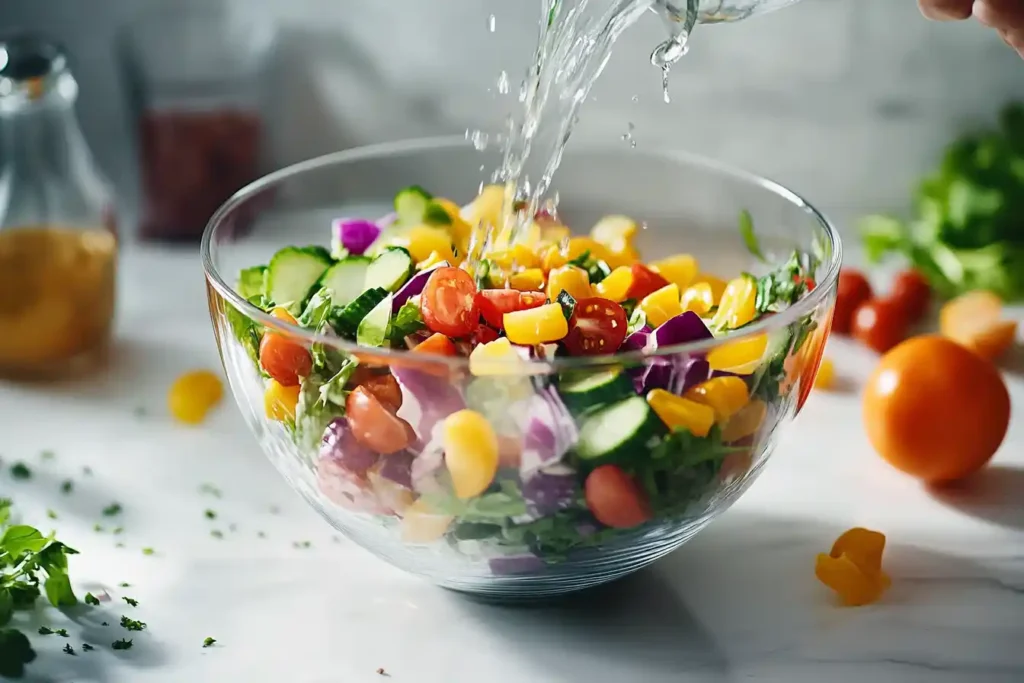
(597, 327)
(645, 281)
(880, 324)
(373, 425)
(448, 302)
(615, 499)
(284, 359)
(853, 290)
(911, 291)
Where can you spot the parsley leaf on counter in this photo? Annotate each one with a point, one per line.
(112, 510)
(20, 470)
(967, 231)
(209, 642)
(91, 599)
(130, 624)
(131, 601)
(121, 645)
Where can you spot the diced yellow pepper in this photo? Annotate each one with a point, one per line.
(717, 285)
(422, 524)
(519, 256)
(826, 374)
(662, 305)
(678, 412)
(495, 358)
(680, 270)
(745, 422)
(742, 356)
(279, 401)
(552, 257)
(453, 210)
(698, 298)
(530, 280)
(425, 239)
(626, 257)
(571, 279)
(582, 245)
(471, 452)
(616, 286)
(194, 394)
(539, 325)
(736, 307)
(430, 262)
(726, 395)
(555, 233)
(486, 209)
(614, 231)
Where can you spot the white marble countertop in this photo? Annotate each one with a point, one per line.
(738, 603)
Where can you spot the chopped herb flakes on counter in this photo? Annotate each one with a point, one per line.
(20, 470)
(68, 650)
(112, 510)
(131, 601)
(91, 599)
(121, 645)
(67, 486)
(130, 624)
(86, 647)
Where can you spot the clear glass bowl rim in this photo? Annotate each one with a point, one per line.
(532, 366)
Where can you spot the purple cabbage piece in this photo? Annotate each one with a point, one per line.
(675, 374)
(356, 235)
(686, 327)
(387, 221)
(433, 397)
(515, 564)
(549, 490)
(689, 374)
(636, 341)
(341, 447)
(414, 287)
(657, 374)
(550, 432)
(425, 468)
(397, 468)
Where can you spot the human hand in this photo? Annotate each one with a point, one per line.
(1005, 16)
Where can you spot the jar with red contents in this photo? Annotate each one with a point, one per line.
(196, 74)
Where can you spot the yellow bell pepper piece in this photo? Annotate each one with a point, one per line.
(698, 298)
(736, 307)
(726, 395)
(430, 261)
(471, 452)
(571, 279)
(518, 256)
(539, 325)
(626, 257)
(614, 231)
(678, 412)
(552, 257)
(193, 395)
(616, 286)
(746, 421)
(422, 524)
(486, 209)
(279, 401)
(716, 284)
(495, 358)
(530, 280)
(680, 269)
(425, 239)
(662, 305)
(555, 233)
(742, 356)
(581, 245)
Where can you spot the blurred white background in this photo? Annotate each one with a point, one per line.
(847, 101)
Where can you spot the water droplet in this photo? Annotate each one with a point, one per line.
(628, 135)
(492, 23)
(635, 98)
(503, 86)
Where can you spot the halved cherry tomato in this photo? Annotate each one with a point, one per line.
(597, 326)
(853, 290)
(284, 359)
(809, 281)
(880, 324)
(386, 389)
(645, 281)
(437, 344)
(373, 425)
(483, 335)
(615, 499)
(495, 303)
(448, 302)
(529, 300)
(911, 291)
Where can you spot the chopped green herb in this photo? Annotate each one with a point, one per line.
(20, 470)
(68, 650)
(210, 514)
(119, 545)
(91, 599)
(131, 601)
(45, 631)
(261, 534)
(47, 455)
(124, 584)
(51, 514)
(117, 530)
(104, 624)
(62, 632)
(748, 235)
(209, 641)
(67, 486)
(302, 544)
(86, 647)
(129, 624)
(121, 645)
(112, 510)
(211, 490)
(97, 527)
(217, 533)
(148, 551)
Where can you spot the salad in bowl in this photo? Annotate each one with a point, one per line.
(508, 405)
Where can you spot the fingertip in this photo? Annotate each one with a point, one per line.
(946, 10)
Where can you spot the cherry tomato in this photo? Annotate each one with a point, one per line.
(809, 281)
(448, 302)
(529, 300)
(437, 344)
(597, 326)
(935, 410)
(284, 359)
(853, 290)
(913, 293)
(483, 335)
(645, 281)
(386, 389)
(495, 303)
(880, 324)
(373, 425)
(615, 499)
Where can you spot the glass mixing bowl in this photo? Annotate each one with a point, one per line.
(531, 533)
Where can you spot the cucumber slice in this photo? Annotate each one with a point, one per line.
(389, 270)
(411, 203)
(345, 321)
(567, 302)
(251, 281)
(293, 273)
(373, 329)
(346, 279)
(435, 214)
(585, 391)
(620, 432)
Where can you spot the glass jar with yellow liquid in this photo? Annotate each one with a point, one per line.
(58, 242)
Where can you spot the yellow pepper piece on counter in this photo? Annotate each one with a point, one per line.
(529, 280)
(539, 325)
(746, 422)
(571, 279)
(853, 567)
(826, 376)
(679, 270)
(716, 284)
(678, 412)
(425, 239)
(471, 452)
(279, 401)
(698, 298)
(725, 395)
(742, 356)
(616, 286)
(422, 524)
(661, 305)
(193, 395)
(737, 305)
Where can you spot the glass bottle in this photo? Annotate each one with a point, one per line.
(58, 242)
